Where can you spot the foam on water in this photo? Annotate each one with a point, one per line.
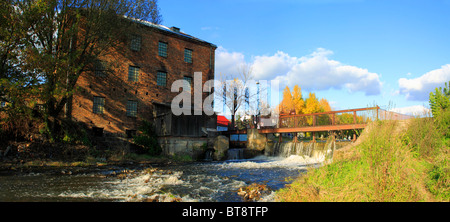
(138, 188)
(212, 181)
(293, 161)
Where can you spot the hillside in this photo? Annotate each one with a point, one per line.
(391, 161)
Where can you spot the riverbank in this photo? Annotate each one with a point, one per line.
(43, 157)
(393, 161)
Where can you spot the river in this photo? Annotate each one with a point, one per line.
(193, 182)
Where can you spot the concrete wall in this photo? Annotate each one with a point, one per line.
(180, 146)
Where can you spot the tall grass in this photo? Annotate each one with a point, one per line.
(393, 162)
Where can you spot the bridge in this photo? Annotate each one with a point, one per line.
(349, 119)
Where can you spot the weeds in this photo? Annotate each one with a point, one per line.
(393, 163)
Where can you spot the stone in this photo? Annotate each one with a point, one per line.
(256, 141)
(221, 146)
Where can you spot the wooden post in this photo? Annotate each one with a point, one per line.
(314, 136)
(354, 117)
(333, 119)
(295, 138)
(280, 138)
(378, 108)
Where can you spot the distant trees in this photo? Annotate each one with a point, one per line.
(46, 45)
(293, 102)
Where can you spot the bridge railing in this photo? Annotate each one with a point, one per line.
(341, 117)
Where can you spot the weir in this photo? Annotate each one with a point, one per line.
(317, 150)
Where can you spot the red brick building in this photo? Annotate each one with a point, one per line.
(133, 82)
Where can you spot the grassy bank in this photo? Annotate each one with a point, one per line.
(394, 161)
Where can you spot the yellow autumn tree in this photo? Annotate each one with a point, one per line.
(299, 103)
(324, 105)
(292, 101)
(287, 104)
(312, 104)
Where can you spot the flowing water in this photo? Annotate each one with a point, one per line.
(203, 181)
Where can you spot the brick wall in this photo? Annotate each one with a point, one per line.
(117, 89)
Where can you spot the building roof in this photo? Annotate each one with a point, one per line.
(172, 30)
(222, 121)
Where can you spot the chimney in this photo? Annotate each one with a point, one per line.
(175, 29)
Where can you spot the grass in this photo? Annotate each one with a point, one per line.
(392, 163)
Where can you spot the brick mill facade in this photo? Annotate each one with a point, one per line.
(132, 83)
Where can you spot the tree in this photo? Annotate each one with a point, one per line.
(287, 104)
(234, 92)
(15, 82)
(299, 103)
(440, 108)
(440, 99)
(64, 39)
(324, 105)
(312, 104)
(292, 101)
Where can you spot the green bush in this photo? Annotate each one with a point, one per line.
(148, 139)
(422, 138)
(443, 122)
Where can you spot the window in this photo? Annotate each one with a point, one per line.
(162, 49)
(161, 78)
(98, 132)
(100, 68)
(188, 55)
(133, 73)
(135, 43)
(130, 133)
(189, 81)
(99, 105)
(132, 108)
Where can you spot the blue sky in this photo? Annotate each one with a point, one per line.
(354, 53)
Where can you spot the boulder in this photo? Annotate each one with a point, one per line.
(256, 141)
(221, 146)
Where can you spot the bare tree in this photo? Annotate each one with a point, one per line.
(238, 92)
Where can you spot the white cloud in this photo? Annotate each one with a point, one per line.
(418, 110)
(419, 88)
(316, 72)
(228, 63)
(312, 72)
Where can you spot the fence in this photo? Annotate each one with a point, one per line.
(340, 117)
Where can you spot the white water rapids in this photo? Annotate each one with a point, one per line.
(204, 181)
(215, 181)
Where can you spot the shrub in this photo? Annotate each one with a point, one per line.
(148, 139)
(422, 138)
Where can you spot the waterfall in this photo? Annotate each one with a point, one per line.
(209, 155)
(317, 150)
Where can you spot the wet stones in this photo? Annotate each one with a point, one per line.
(253, 192)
